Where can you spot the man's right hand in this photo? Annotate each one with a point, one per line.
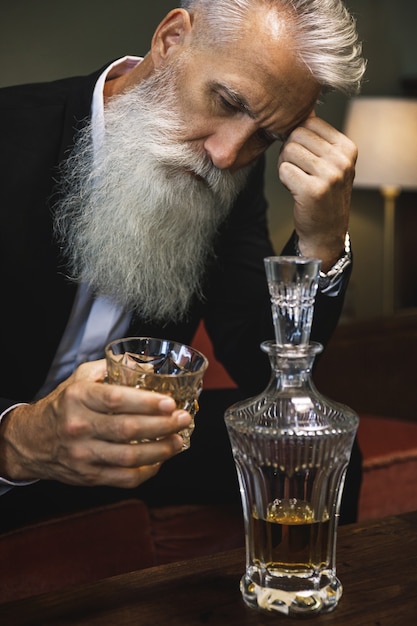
(82, 433)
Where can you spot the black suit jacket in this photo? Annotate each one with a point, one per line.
(37, 128)
(38, 124)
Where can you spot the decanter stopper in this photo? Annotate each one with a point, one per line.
(293, 283)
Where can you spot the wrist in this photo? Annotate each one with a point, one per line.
(10, 470)
(328, 279)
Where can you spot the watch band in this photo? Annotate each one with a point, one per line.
(330, 278)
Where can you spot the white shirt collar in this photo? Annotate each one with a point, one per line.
(115, 69)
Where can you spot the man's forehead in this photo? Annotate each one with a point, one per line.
(262, 73)
(278, 113)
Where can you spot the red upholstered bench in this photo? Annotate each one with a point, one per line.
(370, 365)
(106, 541)
(75, 549)
(216, 376)
(389, 448)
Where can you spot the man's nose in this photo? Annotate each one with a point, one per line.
(228, 151)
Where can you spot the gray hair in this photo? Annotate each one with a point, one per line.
(324, 33)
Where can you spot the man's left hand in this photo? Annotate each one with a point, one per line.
(317, 165)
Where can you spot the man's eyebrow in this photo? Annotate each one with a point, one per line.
(242, 104)
(239, 100)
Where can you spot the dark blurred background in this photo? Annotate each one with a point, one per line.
(50, 39)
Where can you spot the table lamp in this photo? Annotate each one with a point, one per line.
(385, 132)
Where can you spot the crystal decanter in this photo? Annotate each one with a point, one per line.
(291, 447)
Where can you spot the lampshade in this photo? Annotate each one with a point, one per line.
(385, 132)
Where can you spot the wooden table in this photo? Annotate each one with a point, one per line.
(377, 564)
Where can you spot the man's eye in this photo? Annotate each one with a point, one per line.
(265, 138)
(227, 105)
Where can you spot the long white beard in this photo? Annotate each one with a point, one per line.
(134, 223)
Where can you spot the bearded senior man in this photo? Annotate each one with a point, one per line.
(132, 204)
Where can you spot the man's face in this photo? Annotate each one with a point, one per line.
(238, 99)
(145, 204)
(141, 207)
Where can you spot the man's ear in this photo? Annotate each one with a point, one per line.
(170, 36)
